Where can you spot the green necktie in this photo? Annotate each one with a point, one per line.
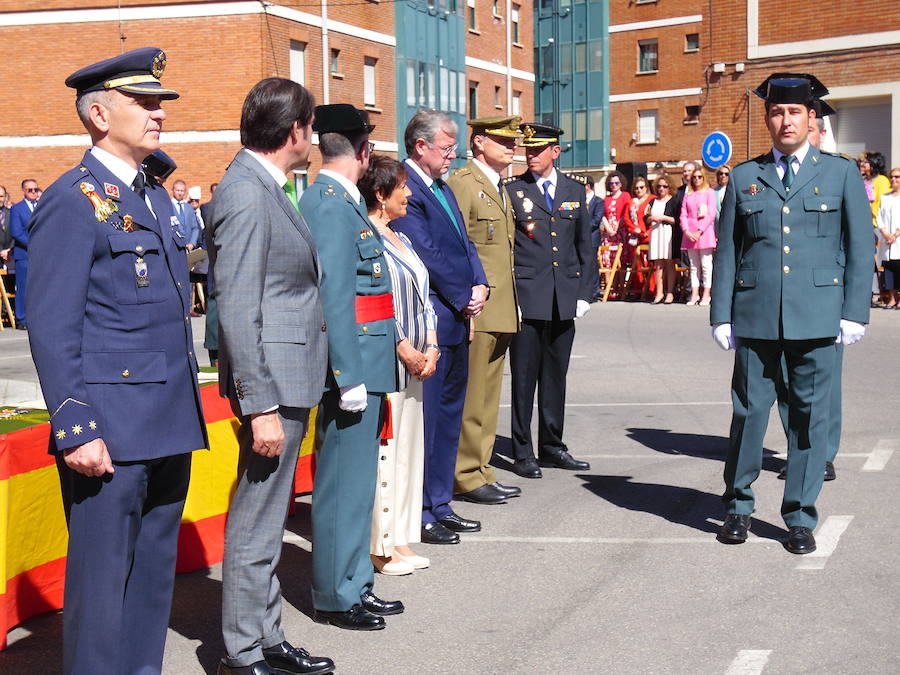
(788, 178)
(291, 191)
(439, 193)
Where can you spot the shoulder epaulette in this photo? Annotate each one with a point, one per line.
(508, 180)
(577, 177)
(462, 171)
(838, 154)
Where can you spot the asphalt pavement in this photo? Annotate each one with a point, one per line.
(615, 569)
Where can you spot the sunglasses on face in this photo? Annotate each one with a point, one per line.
(723, 173)
(696, 177)
(662, 187)
(32, 190)
(894, 176)
(615, 182)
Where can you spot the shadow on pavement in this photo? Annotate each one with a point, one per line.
(679, 505)
(695, 445)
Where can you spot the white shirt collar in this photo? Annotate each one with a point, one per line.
(491, 175)
(800, 155)
(345, 183)
(277, 174)
(117, 167)
(549, 179)
(428, 180)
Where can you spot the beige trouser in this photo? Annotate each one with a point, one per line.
(397, 515)
(479, 423)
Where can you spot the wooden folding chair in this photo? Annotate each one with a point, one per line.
(4, 299)
(639, 266)
(608, 274)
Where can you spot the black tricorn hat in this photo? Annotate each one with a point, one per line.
(793, 88)
(341, 118)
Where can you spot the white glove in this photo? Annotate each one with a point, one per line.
(850, 332)
(519, 310)
(582, 307)
(353, 399)
(723, 334)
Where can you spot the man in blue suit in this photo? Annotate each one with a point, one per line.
(189, 225)
(110, 333)
(459, 289)
(19, 217)
(359, 310)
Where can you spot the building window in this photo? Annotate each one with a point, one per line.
(692, 42)
(335, 62)
(298, 62)
(647, 127)
(496, 10)
(470, 6)
(595, 124)
(516, 103)
(410, 82)
(497, 97)
(473, 100)
(580, 57)
(596, 55)
(514, 14)
(369, 80)
(692, 114)
(648, 56)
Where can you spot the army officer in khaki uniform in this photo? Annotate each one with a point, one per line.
(793, 271)
(490, 225)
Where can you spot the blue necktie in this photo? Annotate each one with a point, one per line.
(548, 199)
(181, 213)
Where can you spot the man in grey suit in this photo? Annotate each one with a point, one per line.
(272, 363)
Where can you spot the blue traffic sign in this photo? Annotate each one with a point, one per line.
(716, 150)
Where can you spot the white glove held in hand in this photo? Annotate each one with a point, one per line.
(353, 399)
(850, 332)
(582, 307)
(723, 334)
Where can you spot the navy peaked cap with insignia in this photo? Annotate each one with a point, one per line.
(341, 118)
(134, 72)
(535, 135)
(794, 88)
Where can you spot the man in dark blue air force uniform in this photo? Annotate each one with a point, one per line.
(793, 273)
(109, 318)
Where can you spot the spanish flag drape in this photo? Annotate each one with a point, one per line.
(33, 535)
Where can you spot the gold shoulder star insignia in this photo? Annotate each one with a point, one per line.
(76, 429)
(93, 425)
(61, 434)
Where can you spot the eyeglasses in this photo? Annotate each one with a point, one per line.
(445, 151)
(615, 182)
(31, 190)
(696, 177)
(894, 176)
(662, 187)
(723, 173)
(640, 187)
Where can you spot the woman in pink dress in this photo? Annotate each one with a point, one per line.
(698, 219)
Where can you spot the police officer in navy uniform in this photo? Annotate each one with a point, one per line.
(109, 319)
(793, 273)
(556, 274)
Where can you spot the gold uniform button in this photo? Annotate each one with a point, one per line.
(787, 249)
(786, 209)
(555, 264)
(786, 229)
(125, 373)
(786, 269)
(139, 248)
(337, 372)
(835, 280)
(552, 219)
(555, 249)
(553, 234)
(824, 207)
(365, 329)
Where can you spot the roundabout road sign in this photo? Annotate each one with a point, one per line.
(716, 150)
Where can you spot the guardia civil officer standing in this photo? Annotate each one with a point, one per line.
(109, 319)
(556, 274)
(793, 269)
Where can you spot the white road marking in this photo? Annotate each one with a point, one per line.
(879, 457)
(711, 539)
(783, 455)
(663, 404)
(826, 541)
(749, 662)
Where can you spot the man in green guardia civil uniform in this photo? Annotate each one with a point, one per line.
(793, 273)
(492, 228)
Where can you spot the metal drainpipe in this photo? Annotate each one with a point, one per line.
(326, 55)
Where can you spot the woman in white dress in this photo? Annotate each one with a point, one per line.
(888, 222)
(660, 219)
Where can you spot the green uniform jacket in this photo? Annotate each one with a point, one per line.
(492, 229)
(790, 264)
(351, 255)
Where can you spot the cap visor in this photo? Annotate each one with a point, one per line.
(149, 89)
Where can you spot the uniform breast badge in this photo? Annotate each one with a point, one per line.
(529, 228)
(527, 206)
(128, 223)
(490, 231)
(111, 190)
(103, 209)
(753, 189)
(141, 273)
(376, 270)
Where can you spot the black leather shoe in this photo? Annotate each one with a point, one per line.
(456, 523)
(435, 533)
(527, 468)
(381, 607)
(800, 540)
(258, 668)
(563, 460)
(734, 529)
(355, 618)
(484, 494)
(21, 326)
(508, 490)
(782, 475)
(829, 471)
(285, 658)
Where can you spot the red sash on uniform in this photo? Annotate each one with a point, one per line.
(374, 307)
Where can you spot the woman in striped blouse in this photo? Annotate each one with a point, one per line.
(397, 514)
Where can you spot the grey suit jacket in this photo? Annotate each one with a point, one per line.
(272, 339)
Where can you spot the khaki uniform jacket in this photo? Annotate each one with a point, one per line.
(492, 229)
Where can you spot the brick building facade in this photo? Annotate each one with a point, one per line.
(343, 51)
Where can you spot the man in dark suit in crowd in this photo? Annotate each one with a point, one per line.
(556, 274)
(273, 364)
(6, 240)
(188, 224)
(793, 272)
(595, 208)
(108, 312)
(459, 289)
(19, 217)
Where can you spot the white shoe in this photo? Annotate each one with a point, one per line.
(704, 302)
(418, 562)
(392, 568)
